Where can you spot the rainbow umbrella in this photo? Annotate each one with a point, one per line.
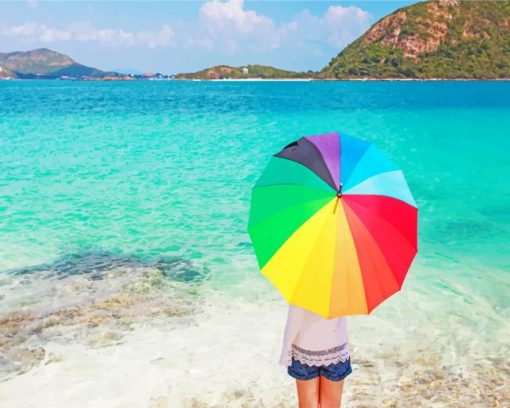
(333, 224)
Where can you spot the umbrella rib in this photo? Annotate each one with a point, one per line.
(378, 248)
(293, 184)
(278, 213)
(394, 227)
(383, 173)
(368, 178)
(389, 225)
(331, 181)
(311, 252)
(337, 254)
(275, 216)
(345, 182)
(326, 165)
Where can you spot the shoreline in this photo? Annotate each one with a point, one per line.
(371, 79)
(99, 338)
(272, 80)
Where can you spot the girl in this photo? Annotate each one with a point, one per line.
(316, 353)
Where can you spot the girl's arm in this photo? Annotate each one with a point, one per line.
(294, 319)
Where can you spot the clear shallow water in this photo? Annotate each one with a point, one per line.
(122, 201)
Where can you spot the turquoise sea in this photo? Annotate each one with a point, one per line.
(124, 205)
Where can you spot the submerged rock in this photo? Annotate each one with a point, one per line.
(91, 297)
(97, 264)
(181, 270)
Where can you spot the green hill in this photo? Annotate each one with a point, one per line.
(247, 71)
(432, 39)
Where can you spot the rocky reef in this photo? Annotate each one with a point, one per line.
(89, 297)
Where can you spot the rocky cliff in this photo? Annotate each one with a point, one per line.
(432, 39)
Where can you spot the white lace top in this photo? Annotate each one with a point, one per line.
(314, 340)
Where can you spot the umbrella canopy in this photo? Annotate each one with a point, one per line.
(333, 224)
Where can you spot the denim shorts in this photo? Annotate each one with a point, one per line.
(334, 372)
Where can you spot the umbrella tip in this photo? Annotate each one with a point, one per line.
(338, 197)
(339, 193)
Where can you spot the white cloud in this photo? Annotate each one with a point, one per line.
(223, 31)
(231, 16)
(337, 27)
(49, 35)
(200, 42)
(228, 27)
(345, 23)
(160, 38)
(85, 32)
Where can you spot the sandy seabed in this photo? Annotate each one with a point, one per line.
(176, 346)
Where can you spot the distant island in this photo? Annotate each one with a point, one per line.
(443, 39)
(44, 63)
(245, 72)
(440, 39)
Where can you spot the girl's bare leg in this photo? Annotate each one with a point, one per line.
(308, 393)
(330, 392)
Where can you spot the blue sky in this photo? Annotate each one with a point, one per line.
(177, 36)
